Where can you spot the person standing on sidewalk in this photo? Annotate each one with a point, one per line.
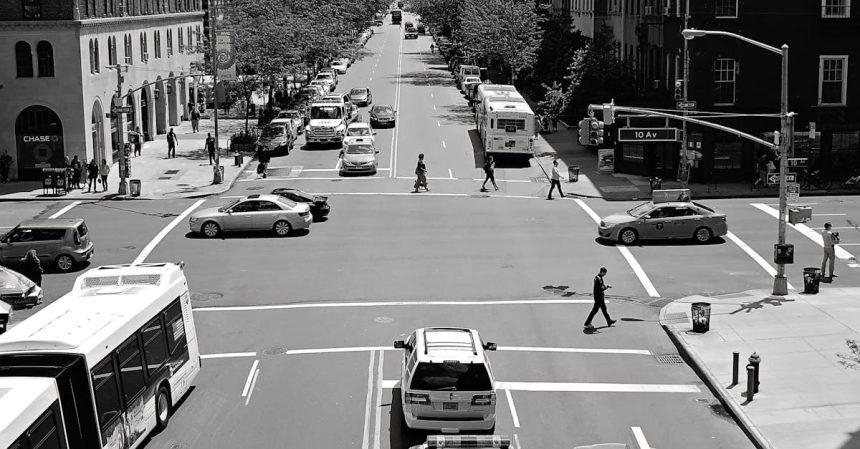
(104, 171)
(490, 170)
(92, 175)
(77, 168)
(599, 300)
(421, 173)
(171, 143)
(555, 180)
(138, 143)
(195, 120)
(210, 147)
(830, 239)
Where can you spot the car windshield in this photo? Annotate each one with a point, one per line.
(451, 376)
(290, 114)
(322, 113)
(358, 91)
(383, 110)
(359, 149)
(640, 209)
(227, 206)
(702, 206)
(359, 132)
(273, 131)
(324, 76)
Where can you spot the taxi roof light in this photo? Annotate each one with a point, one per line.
(476, 441)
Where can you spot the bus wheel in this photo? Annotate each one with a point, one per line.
(162, 407)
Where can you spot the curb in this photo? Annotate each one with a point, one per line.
(226, 186)
(750, 429)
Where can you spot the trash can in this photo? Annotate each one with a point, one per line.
(656, 183)
(701, 312)
(134, 187)
(238, 158)
(811, 278)
(573, 173)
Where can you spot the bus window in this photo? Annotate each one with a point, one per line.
(106, 392)
(154, 345)
(175, 328)
(131, 368)
(45, 434)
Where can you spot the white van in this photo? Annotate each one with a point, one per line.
(446, 382)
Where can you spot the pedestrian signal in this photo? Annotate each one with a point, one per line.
(595, 135)
(783, 253)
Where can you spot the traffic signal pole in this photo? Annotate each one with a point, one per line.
(684, 140)
(213, 18)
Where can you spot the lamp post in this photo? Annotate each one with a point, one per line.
(780, 283)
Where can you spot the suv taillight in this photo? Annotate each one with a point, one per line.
(483, 399)
(417, 398)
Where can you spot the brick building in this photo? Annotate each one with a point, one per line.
(62, 80)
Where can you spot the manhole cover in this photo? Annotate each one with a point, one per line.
(206, 296)
(171, 172)
(669, 359)
(383, 320)
(275, 350)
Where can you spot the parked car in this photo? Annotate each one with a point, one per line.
(410, 35)
(358, 156)
(421, 28)
(326, 85)
(382, 114)
(340, 66)
(669, 220)
(276, 138)
(360, 129)
(470, 83)
(60, 242)
(18, 291)
(311, 92)
(361, 96)
(318, 203)
(295, 117)
(252, 213)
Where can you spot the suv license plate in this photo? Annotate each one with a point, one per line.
(450, 406)
(510, 143)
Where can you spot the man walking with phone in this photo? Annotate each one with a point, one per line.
(599, 300)
(555, 180)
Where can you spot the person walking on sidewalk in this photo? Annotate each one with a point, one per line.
(171, 143)
(31, 267)
(77, 168)
(195, 120)
(210, 147)
(104, 170)
(5, 166)
(138, 142)
(599, 300)
(555, 180)
(92, 175)
(421, 173)
(490, 171)
(263, 159)
(830, 239)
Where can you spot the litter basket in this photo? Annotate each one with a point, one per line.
(811, 279)
(134, 187)
(572, 173)
(701, 312)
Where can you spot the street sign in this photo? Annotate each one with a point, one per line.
(687, 105)
(649, 134)
(773, 178)
(121, 110)
(797, 162)
(792, 192)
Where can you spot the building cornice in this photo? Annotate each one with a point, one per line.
(103, 22)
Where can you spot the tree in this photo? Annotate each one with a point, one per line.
(558, 46)
(443, 16)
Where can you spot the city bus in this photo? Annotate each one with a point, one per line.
(30, 416)
(121, 348)
(504, 120)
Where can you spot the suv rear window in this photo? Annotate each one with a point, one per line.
(451, 376)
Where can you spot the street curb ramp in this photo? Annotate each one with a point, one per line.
(713, 383)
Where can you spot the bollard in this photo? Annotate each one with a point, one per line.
(754, 362)
(750, 382)
(735, 362)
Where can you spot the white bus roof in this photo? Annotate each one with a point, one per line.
(497, 87)
(22, 401)
(509, 106)
(91, 318)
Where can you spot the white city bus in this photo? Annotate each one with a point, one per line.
(121, 348)
(30, 416)
(505, 121)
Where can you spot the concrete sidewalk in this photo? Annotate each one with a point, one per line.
(187, 175)
(807, 398)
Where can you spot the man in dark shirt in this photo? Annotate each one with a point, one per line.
(599, 300)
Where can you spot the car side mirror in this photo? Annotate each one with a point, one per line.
(490, 346)
(374, 133)
(400, 344)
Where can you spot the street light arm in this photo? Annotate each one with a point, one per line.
(692, 33)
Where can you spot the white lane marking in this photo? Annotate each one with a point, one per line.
(828, 215)
(324, 305)
(308, 178)
(576, 350)
(513, 409)
(517, 441)
(338, 350)
(377, 434)
(834, 227)
(253, 384)
(450, 174)
(584, 387)
(323, 170)
(227, 197)
(336, 166)
(157, 239)
(434, 107)
(754, 255)
(65, 209)
(228, 355)
(628, 256)
(438, 124)
(394, 136)
(431, 94)
(443, 144)
(848, 244)
(803, 229)
(640, 438)
(250, 377)
(367, 403)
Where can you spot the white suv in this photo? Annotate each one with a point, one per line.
(446, 382)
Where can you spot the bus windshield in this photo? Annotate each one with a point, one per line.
(325, 112)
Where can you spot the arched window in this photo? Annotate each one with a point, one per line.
(169, 43)
(181, 38)
(96, 64)
(156, 44)
(24, 60)
(92, 57)
(129, 54)
(45, 57)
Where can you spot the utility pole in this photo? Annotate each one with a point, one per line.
(780, 283)
(120, 137)
(213, 18)
(685, 163)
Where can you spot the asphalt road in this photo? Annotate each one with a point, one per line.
(297, 332)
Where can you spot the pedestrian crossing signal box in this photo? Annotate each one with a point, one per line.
(783, 253)
(800, 214)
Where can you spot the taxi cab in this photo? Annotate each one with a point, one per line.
(665, 217)
(446, 381)
(470, 441)
(358, 156)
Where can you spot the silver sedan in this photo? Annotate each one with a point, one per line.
(252, 213)
(671, 220)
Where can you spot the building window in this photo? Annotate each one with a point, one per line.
(832, 80)
(169, 43)
(95, 67)
(144, 52)
(24, 60)
(726, 9)
(728, 154)
(181, 38)
(112, 51)
(32, 9)
(129, 56)
(724, 81)
(199, 37)
(45, 57)
(156, 42)
(190, 47)
(633, 152)
(835, 9)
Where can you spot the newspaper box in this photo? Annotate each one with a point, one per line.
(799, 214)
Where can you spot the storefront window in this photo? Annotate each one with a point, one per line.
(728, 155)
(633, 152)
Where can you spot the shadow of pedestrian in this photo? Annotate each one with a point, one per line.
(775, 301)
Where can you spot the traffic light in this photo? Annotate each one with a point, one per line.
(595, 134)
(679, 89)
(584, 127)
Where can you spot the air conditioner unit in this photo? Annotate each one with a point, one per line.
(667, 11)
(145, 57)
(649, 10)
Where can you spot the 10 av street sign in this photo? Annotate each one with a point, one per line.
(773, 178)
(649, 134)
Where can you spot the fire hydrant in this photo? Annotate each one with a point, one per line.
(755, 360)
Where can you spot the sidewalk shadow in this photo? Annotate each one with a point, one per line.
(775, 301)
(461, 114)
(24, 186)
